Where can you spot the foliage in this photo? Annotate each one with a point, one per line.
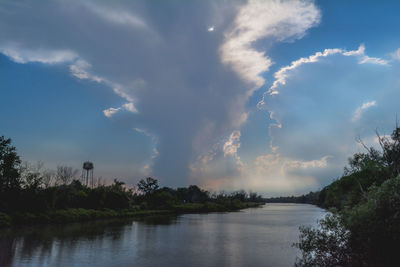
(32, 194)
(326, 245)
(375, 224)
(192, 194)
(148, 186)
(365, 230)
(65, 174)
(5, 220)
(310, 198)
(9, 165)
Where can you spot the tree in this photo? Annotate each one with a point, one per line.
(195, 194)
(239, 195)
(326, 245)
(65, 174)
(49, 177)
(32, 174)
(118, 186)
(148, 186)
(375, 224)
(9, 166)
(364, 229)
(254, 197)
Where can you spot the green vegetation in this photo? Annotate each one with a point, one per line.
(29, 194)
(364, 226)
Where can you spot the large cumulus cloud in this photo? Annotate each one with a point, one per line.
(186, 86)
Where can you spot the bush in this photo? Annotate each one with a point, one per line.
(326, 245)
(375, 224)
(5, 220)
(365, 230)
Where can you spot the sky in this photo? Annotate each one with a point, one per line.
(268, 96)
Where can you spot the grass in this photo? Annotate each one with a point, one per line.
(77, 215)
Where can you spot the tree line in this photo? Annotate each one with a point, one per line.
(27, 190)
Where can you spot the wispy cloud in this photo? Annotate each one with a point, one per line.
(359, 111)
(80, 69)
(282, 74)
(112, 111)
(118, 16)
(365, 58)
(373, 60)
(396, 54)
(39, 55)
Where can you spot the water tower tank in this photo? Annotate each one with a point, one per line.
(88, 165)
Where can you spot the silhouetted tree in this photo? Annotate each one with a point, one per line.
(31, 175)
(365, 227)
(327, 245)
(9, 166)
(195, 194)
(148, 186)
(65, 174)
(239, 195)
(49, 177)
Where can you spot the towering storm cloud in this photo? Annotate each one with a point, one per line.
(189, 74)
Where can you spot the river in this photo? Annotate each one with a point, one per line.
(252, 237)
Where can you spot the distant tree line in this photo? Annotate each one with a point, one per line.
(27, 189)
(310, 198)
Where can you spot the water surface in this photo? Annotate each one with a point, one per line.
(252, 237)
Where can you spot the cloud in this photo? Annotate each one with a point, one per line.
(39, 55)
(191, 89)
(359, 111)
(363, 58)
(373, 60)
(148, 168)
(269, 174)
(297, 164)
(282, 74)
(311, 101)
(279, 20)
(130, 107)
(396, 54)
(80, 69)
(178, 88)
(232, 145)
(285, 72)
(117, 16)
(169, 74)
(112, 111)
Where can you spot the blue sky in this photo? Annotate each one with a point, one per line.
(266, 96)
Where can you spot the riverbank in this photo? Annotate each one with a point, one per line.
(251, 237)
(80, 214)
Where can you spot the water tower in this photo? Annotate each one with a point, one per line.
(87, 172)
